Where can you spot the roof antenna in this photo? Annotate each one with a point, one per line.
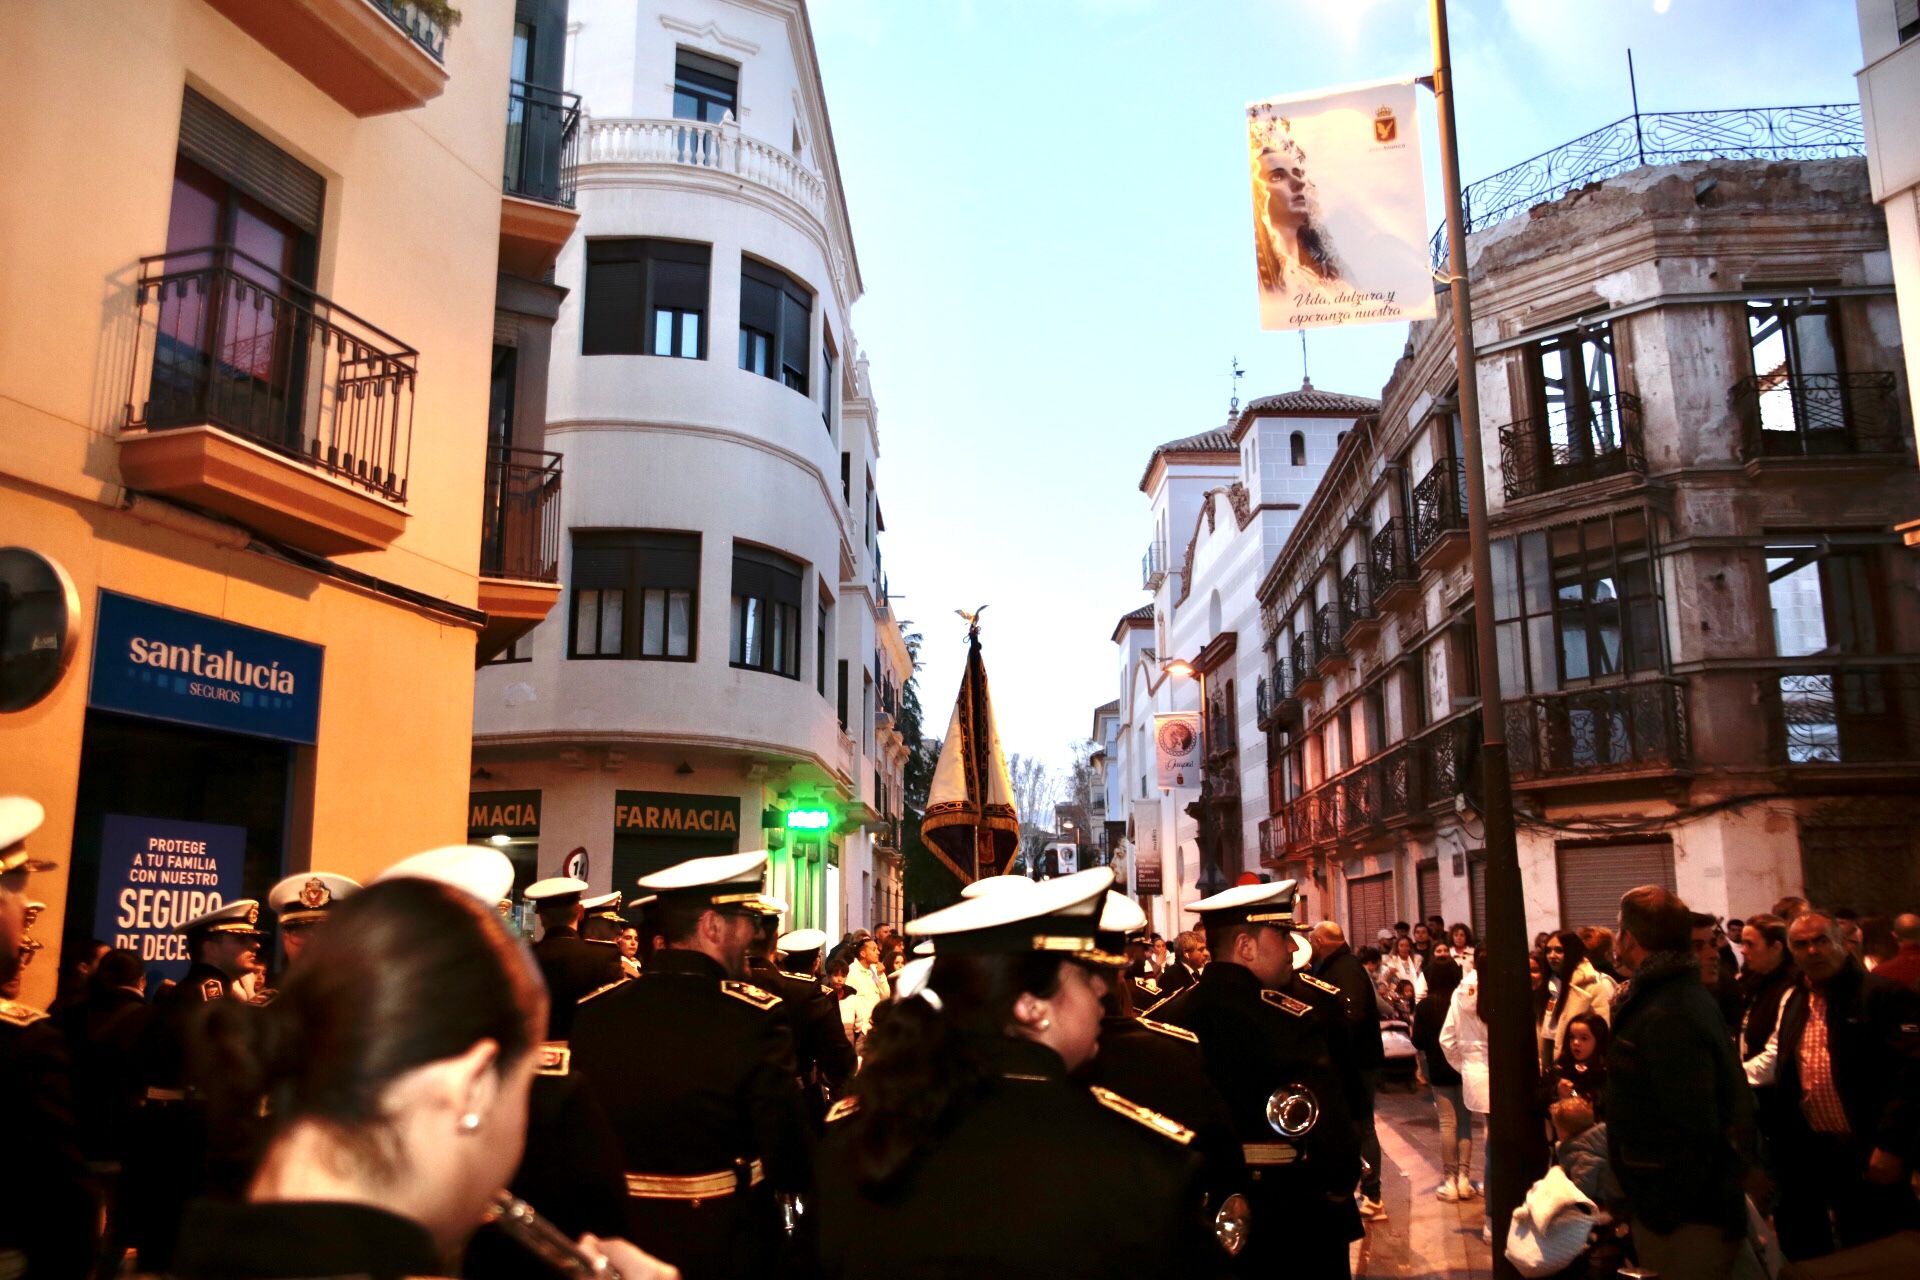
(1306, 383)
(1233, 404)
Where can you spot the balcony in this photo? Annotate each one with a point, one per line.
(1153, 567)
(519, 545)
(1399, 800)
(628, 146)
(1843, 715)
(1358, 804)
(1444, 760)
(1305, 657)
(1637, 729)
(1817, 416)
(1274, 698)
(1331, 629)
(1356, 598)
(537, 183)
(1391, 572)
(1579, 442)
(1438, 528)
(370, 56)
(259, 400)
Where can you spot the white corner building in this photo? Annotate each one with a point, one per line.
(723, 668)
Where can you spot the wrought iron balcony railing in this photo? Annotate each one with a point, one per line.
(1358, 791)
(1580, 441)
(424, 30)
(520, 524)
(1439, 505)
(1390, 560)
(1618, 728)
(1305, 657)
(1153, 566)
(224, 340)
(1400, 795)
(1668, 137)
(1331, 626)
(1867, 714)
(1357, 594)
(543, 141)
(1446, 753)
(1817, 415)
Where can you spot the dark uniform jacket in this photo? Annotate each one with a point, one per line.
(1159, 1066)
(104, 1033)
(1679, 1112)
(1254, 1041)
(46, 1212)
(1343, 969)
(168, 1158)
(1103, 1193)
(1175, 977)
(823, 1056)
(1873, 1042)
(696, 1076)
(572, 967)
(304, 1241)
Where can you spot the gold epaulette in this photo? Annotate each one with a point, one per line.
(1312, 981)
(1147, 985)
(1157, 1003)
(20, 1015)
(807, 978)
(1162, 1125)
(746, 991)
(600, 991)
(842, 1109)
(1281, 1000)
(555, 1058)
(1168, 1029)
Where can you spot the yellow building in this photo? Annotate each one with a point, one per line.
(248, 426)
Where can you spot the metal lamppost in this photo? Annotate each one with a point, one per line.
(1516, 1143)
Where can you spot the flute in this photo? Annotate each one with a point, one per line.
(517, 1218)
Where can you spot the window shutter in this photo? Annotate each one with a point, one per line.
(1369, 908)
(1429, 889)
(766, 574)
(600, 560)
(613, 323)
(211, 137)
(1592, 878)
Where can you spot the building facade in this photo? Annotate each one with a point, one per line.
(243, 443)
(1691, 387)
(724, 669)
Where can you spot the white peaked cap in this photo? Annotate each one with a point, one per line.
(485, 873)
(987, 886)
(20, 817)
(1121, 914)
(1057, 915)
(912, 978)
(801, 940)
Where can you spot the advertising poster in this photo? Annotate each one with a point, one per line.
(1339, 208)
(1176, 748)
(1146, 848)
(155, 875)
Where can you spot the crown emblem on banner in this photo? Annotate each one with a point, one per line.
(1385, 127)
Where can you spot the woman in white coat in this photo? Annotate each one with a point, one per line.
(1463, 1038)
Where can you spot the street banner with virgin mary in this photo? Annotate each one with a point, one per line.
(1339, 209)
(970, 822)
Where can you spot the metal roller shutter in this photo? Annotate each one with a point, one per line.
(211, 137)
(1369, 908)
(1593, 876)
(1429, 889)
(1477, 892)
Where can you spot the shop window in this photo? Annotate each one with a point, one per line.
(776, 316)
(704, 89)
(646, 297)
(1576, 604)
(766, 612)
(1823, 600)
(635, 594)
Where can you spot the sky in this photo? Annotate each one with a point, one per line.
(1051, 211)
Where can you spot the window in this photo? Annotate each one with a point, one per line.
(842, 695)
(766, 612)
(1823, 601)
(500, 394)
(1906, 15)
(820, 629)
(1796, 352)
(846, 479)
(872, 503)
(1297, 449)
(1576, 604)
(704, 88)
(521, 650)
(1575, 411)
(646, 297)
(826, 384)
(776, 313)
(634, 595)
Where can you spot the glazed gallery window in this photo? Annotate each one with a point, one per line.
(1823, 601)
(1573, 386)
(646, 298)
(766, 612)
(1576, 604)
(634, 595)
(704, 88)
(776, 313)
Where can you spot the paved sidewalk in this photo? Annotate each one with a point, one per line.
(1422, 1237)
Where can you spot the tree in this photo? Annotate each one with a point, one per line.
(1082, 782)
(1035, 788)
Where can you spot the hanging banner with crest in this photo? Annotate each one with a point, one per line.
(1339, 208)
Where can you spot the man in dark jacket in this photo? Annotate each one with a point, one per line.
(1847, 1123)
(1335, 965)
(572, 966)
(1679, 1111)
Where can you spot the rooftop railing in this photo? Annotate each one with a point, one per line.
(1668, 137)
